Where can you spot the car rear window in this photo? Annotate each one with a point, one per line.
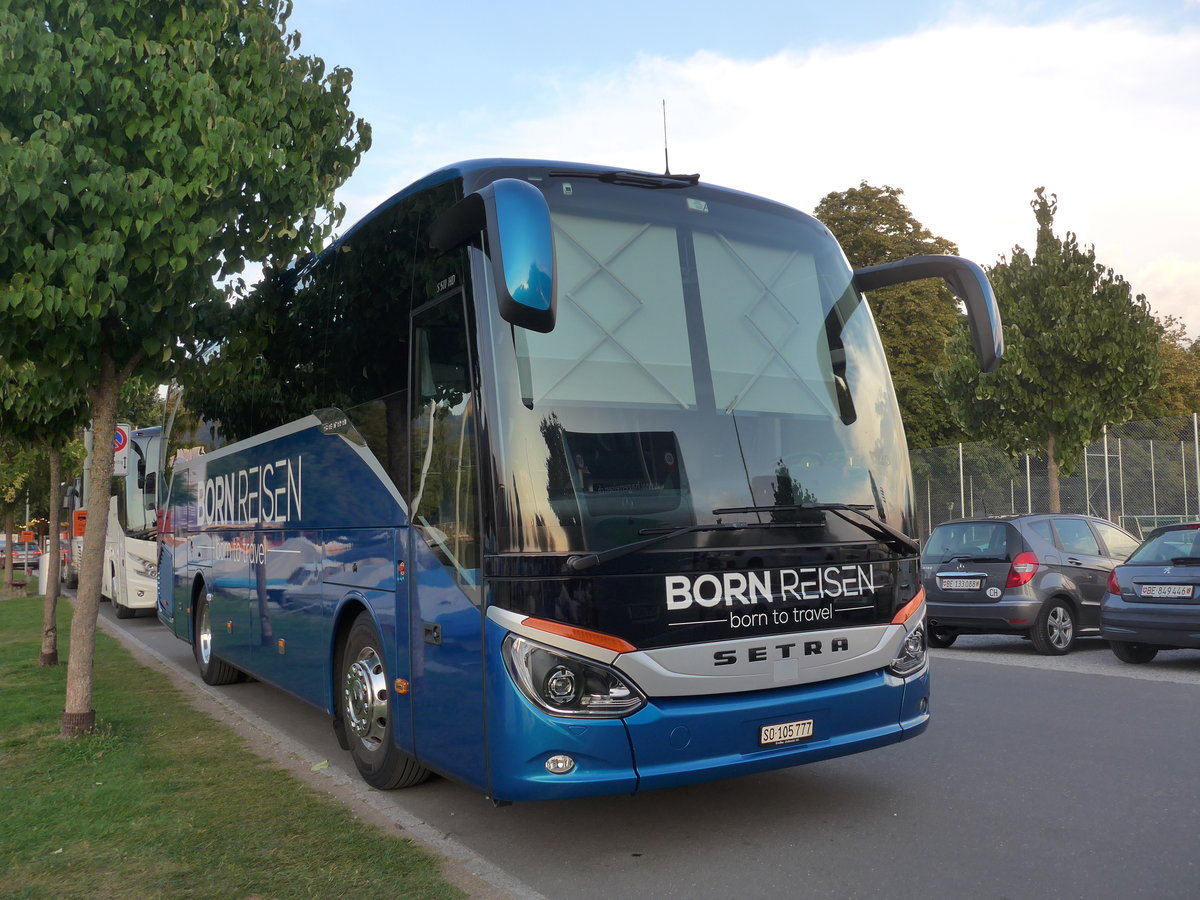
(975, 540)
(1169, 545)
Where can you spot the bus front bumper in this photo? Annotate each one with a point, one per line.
(684, 740)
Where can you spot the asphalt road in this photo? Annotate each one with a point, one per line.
(1068, 777)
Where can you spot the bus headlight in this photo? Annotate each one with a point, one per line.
(912, 653)
(567, 685)
(144, 567)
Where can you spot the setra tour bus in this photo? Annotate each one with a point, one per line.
(606, 490)
(130, 577)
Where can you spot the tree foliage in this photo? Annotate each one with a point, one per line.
(1177, 392)
(1081, 352)
(147, 149)
(915, 320)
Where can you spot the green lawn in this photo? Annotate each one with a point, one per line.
(163, 801)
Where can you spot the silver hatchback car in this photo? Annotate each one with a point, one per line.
(1041, 576)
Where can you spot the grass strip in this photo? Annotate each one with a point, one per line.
(163, 801)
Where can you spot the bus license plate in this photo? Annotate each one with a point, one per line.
(1171, 591)
(961, 584)
(785, 732)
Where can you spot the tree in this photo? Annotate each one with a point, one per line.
(139, 404)
(148, 150)
(1080, 353)
(18, 461)
(1177, 392)
(44, 409)
(916, 319)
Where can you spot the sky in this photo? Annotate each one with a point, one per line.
(967, 107)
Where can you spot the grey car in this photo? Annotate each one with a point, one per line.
(1041, 576)
(24, 553)
(1153, 600)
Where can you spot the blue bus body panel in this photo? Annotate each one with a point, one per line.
(283, 531)
(679, 741)
(447, 669)
(521, 737)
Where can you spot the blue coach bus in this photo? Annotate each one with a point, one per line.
(605, 490)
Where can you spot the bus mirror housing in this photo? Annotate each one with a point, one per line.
(520, 244)
(968, 282)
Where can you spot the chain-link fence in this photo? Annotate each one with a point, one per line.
(1139, 475)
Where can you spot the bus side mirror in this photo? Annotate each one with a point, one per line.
(516, 219)
(968, 282)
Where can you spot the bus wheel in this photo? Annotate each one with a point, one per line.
(365, 710)
(212, 669)
(122, 611)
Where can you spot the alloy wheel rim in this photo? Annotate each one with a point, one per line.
(1059, 622)
(364, 690)
(205, 632)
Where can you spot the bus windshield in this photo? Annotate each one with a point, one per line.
(710, 353)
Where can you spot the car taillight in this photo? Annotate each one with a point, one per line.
(1114, 586)
(1022, 569)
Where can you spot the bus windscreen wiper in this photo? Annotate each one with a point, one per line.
(635, 179)
(854, 513)
(587, 560)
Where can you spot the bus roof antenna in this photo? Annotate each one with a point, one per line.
(666, 156)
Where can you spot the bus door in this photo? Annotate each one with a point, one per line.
(444, 553)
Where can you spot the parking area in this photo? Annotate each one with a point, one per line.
(1090, 655)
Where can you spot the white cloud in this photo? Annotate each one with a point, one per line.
(967, 119)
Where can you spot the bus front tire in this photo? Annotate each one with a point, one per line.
(122, 611)
(213, 669)
(365, 710)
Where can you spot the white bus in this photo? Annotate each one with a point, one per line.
(130, 548)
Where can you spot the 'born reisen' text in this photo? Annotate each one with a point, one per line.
(783, 585)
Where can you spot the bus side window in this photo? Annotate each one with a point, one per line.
(444, 476)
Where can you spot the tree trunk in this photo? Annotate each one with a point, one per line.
(49, 654)
(1052, 483)
(79, 717)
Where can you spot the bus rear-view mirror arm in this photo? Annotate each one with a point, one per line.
(968, 282)
(520, 244)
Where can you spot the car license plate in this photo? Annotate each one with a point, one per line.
(1167, 591)
(961, 584)
(785, 732)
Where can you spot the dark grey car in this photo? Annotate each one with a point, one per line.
(1153, 600)
(1042, 576)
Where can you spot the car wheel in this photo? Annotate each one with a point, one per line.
(1053, 632)
(213, 669)
(366, 712)
(1129, 652)
(940, 637)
